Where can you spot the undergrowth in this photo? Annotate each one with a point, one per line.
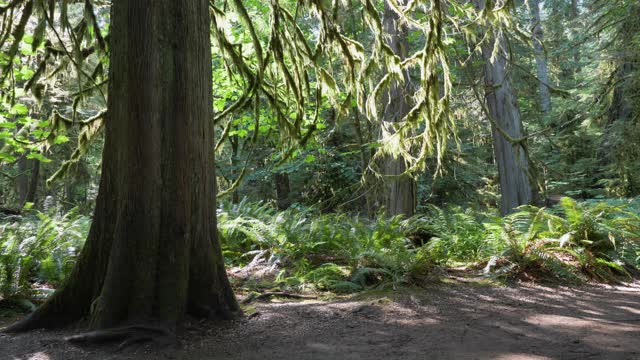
(38, 250)
(571, 242)
(303, 249)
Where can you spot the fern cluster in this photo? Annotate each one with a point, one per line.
(335, 251)
(38, 248)
(344, 252)
(338, 251)
(572, 241)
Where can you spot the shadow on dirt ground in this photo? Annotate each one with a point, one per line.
(450, 321)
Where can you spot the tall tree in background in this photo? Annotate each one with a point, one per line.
(509, 142)
(618, 147)
(575, 13)
(400, 189)
(540, 55)
(152, 255)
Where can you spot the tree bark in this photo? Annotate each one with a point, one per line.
(282, 190)
(33, 181)
(22, 180)
(621, 109)
(540, 55)
(152, 254)
(512, 159)
(575, 13)
(235, 146)
(400, 189)
(27, 180)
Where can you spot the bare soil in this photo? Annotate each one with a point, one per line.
(445, 321)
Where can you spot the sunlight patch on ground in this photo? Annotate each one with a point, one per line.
(556, 321)
(575, 323)
(326, 348)
(35, 356)
(520, 356)
(630, 309)
(593, 312)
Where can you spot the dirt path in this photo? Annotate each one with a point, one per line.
(439, 322)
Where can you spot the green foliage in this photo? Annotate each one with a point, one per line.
(332, 251)
(341, 252)
(456, 235)
(599, 240)
(40, 247)
(346, 253)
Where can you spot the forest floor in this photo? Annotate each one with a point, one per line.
(451, 320)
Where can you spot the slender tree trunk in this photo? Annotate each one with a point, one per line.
(364, 159)
(282, 190)
(575, 13)
(540, 54)
(621, 108)
(22, 180)
(512, 159)
(152, 255)
(235, 145)
(400, 189)
(76, 184)
(33, 181)
(26, 183)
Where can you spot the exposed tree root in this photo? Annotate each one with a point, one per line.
(267, 295)
(47, 316)
(126, 335)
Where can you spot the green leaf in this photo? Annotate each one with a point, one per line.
(309, 159)
(61, 139)
(38, 157)
(239, 133)
(7, 157)
(7, 125)
(25, 73)
(19, 109)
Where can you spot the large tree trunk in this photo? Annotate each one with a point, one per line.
(540, 55)
(152, 255)
(400, 189)
(512, 159)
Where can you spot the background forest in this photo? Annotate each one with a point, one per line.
(498, 137)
